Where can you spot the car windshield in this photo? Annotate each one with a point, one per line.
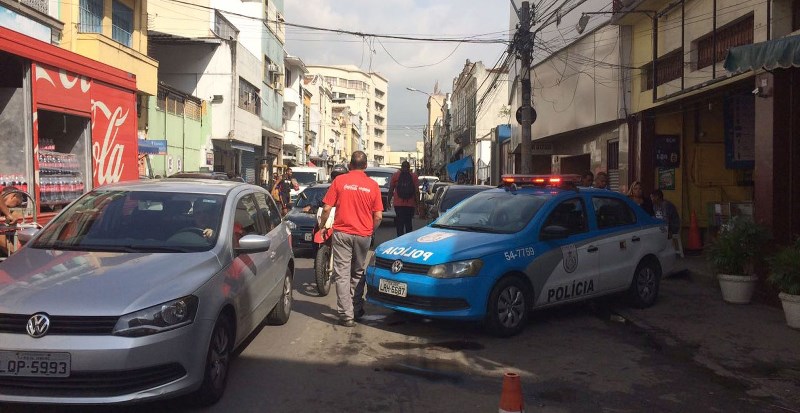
(493, 211)
(454, 196)
(305, 178)
(136, 221)
(382, 178)
(311, 197)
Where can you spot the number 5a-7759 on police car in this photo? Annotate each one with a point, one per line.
(503, 252)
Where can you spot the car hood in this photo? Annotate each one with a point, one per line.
(431, 246)
(300, 218)
(83, 283)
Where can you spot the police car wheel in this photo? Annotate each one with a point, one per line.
(643, 291)
(508, 307)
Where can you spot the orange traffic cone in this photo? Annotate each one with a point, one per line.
(694, 243)
(511, 398)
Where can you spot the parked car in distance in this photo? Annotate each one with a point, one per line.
(383, 176)
(304, 216)
(220, 176)
(305, 176)
(452, 195)
(140, 291)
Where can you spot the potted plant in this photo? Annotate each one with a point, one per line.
(733, 254)
(785, 276)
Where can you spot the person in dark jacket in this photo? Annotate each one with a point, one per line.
(667, 211)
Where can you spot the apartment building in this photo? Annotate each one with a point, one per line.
(366, 95)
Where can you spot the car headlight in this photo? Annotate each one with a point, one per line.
(468, 268)
(291, 225)
(158, 318)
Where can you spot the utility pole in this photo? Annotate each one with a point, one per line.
(524, 46)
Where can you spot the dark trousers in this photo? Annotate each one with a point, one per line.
(403, 219)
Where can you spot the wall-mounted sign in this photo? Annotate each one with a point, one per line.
(740, 132)
(667, 151)
(666, 179)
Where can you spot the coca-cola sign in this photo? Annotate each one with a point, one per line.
(113, 119)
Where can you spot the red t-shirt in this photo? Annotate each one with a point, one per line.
(355, 196)
(396, 200)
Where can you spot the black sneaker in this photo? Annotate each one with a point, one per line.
(359, 314)
(347, 323)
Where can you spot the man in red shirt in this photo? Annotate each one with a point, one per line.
(359, 211)
(404, 206)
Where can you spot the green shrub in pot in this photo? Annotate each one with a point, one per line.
(784, 269)
(737, 246)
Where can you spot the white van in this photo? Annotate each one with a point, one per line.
(305, 176)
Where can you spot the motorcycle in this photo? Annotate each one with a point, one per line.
(323, 253)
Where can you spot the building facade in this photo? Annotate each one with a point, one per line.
(295, 120)
(203, 53)
(366, 94)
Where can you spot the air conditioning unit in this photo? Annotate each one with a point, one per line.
(272, 67)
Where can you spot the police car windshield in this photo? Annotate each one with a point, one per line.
(493, 211)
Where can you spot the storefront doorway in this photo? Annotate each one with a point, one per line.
(62, 155)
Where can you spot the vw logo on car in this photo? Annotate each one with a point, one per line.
(38, 325)
(397, 266)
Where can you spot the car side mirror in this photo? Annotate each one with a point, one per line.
(252, 243)
(26, 234)
(554, 232)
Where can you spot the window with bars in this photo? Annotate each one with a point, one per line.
(669, 67)
(91, 16)
(121, 23)
(737, 33)
(193, 110)
(249, 97)
(612, 164)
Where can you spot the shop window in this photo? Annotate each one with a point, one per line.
(91, 16)
(63, 159)
(734, 34)
(121, 23)
(14, 121)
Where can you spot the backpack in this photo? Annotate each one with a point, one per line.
(405, 185)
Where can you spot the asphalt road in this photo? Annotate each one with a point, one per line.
(579, 358)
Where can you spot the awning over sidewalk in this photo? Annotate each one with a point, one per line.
(781, 53)
(461, 165)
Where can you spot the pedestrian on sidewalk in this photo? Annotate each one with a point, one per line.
(359, 210)
(284, 187)
(666, 210)
(636, 194)
(586, 180)
(601, 180)
(404, 187)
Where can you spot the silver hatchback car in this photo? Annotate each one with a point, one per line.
(140, 291)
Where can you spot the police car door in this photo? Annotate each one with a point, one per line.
(620, 242)
(570, 263)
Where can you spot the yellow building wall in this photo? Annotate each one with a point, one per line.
(101, 47)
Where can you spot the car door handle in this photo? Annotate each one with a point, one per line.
(272, 255)
(636, 239)
(592, 249)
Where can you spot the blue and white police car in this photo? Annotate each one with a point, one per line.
(534, 243)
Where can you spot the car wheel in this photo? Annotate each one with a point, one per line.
(643, 291)
(283, 309)
(508, 307)
(323, 270)
(218, 361)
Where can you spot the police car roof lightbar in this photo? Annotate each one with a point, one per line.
(541, 180)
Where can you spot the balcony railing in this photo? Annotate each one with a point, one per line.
(91, 21)
(40, 5)
(121, 35)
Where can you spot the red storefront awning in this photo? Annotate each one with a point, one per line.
(48, 54)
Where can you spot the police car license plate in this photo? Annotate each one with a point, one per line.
(34, 364)
(393, 287)
(307, 236)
